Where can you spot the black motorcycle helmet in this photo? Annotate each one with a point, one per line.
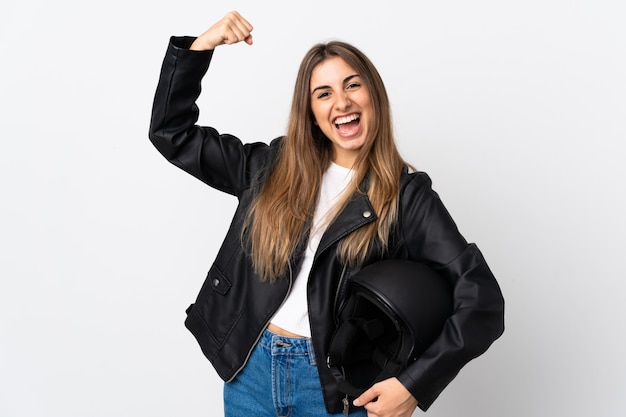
(393, 310)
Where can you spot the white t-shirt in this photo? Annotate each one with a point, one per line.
(293, 315)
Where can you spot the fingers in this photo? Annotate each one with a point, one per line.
(236, 29)
(232, 28)
(367, 397)
(387, 398)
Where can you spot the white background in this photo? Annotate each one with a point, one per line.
(515, 108)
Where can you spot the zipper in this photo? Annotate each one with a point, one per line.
(345, 400)
(339, 286)
(265, 326)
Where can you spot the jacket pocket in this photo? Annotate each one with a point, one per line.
(214, 314)
(218, 281)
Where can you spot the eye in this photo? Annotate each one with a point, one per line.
(323, 94)
(353, 85)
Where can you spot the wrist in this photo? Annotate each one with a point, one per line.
(200, 45)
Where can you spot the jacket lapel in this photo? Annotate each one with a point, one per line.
(358, 212)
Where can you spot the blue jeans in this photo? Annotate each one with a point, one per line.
(280, 379)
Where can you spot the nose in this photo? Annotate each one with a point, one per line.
(343, 101)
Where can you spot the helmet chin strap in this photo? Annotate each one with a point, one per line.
(391, 369)
(343, 351)
(344, 346)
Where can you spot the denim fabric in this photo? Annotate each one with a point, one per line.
(280, 379)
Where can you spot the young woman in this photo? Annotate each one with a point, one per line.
(316, 205)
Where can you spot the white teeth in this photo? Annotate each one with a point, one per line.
(346, 119)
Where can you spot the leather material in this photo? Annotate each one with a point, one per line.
(233, 307)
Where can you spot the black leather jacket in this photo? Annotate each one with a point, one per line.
(234, 306)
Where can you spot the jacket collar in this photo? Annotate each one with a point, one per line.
(357, 212)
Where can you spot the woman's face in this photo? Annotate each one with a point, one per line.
(341, 107)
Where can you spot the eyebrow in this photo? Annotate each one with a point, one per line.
(345, 80)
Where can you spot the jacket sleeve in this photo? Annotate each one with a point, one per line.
(432, 237)
(220, 160)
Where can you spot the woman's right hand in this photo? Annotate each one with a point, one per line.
(230, 29)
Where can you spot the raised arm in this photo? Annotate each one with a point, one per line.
(220, 160)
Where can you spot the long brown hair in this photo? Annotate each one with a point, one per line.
(281, 214)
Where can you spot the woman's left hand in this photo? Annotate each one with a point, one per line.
(388, 398)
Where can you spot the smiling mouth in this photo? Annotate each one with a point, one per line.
(346, 119)
(347, 124)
